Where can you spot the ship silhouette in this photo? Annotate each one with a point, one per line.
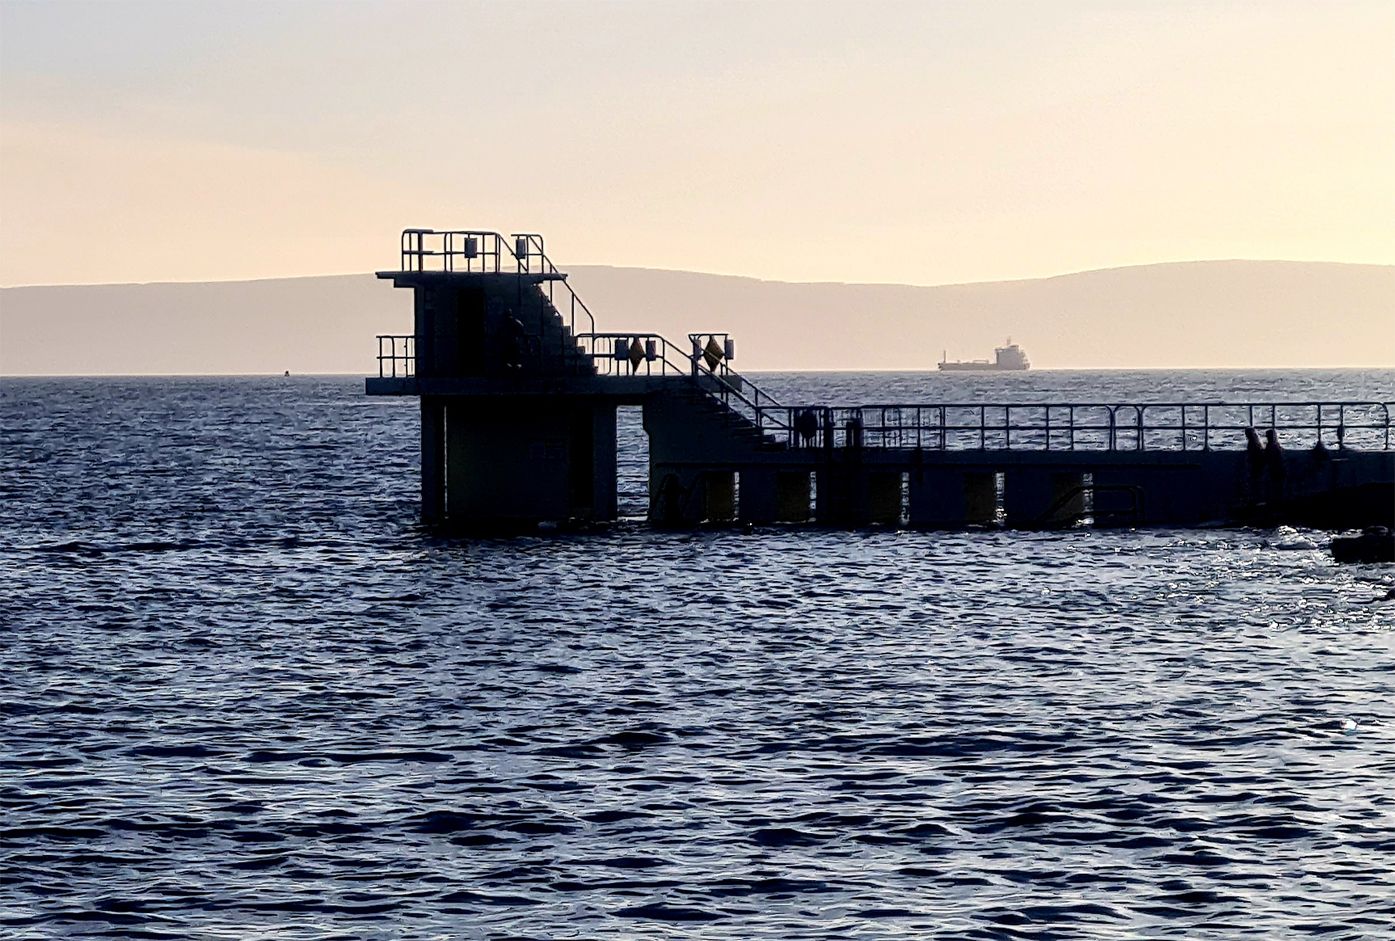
(1006, 358)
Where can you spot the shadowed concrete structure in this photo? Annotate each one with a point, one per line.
(519, 394)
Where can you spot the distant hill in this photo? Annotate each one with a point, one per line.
(1192, 314)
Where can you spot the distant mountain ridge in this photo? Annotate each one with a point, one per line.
(1175, 314)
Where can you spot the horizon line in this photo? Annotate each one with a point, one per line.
(1010, 376)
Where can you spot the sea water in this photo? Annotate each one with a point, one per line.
(243, 694)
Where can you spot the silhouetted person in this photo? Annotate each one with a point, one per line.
(1254, 459)
(1274, 460)
(806, 426)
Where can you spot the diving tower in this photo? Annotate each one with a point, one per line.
(518, 394)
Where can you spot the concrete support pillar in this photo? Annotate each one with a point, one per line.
(433, 460)
(681, 496)
(884, 497)
(855, 495)
(836, 498)
(719, 496)
(758, 495)
(677, 496)
(604, 450)
(515, 463)
(769, 495)
(952, 497)
(980, 497)
(1040, 497)
(792, 500)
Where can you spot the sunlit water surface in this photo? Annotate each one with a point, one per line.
(244, 696)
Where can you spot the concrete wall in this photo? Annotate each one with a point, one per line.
(513, 463)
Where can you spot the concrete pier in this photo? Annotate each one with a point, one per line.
(519, 393)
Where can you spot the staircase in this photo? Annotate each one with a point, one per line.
(707, 409)
(557, 351)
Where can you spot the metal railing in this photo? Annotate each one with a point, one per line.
(1087, 427)
(455, 251)
(397, 356)
(631, 354)
(481, 251)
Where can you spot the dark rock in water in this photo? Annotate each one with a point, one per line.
(1375, 544)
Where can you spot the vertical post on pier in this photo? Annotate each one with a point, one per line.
(793, 500)
(604, 461)
(433, 460)
(884, 497)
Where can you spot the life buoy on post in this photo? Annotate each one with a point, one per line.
(712, 353)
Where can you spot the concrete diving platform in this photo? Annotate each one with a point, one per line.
(518, 393)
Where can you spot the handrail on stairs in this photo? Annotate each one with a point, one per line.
(528, 246)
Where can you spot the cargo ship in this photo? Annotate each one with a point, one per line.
(1007, 358)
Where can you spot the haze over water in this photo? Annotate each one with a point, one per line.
(244, 694)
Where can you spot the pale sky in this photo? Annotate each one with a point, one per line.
(919, 142)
